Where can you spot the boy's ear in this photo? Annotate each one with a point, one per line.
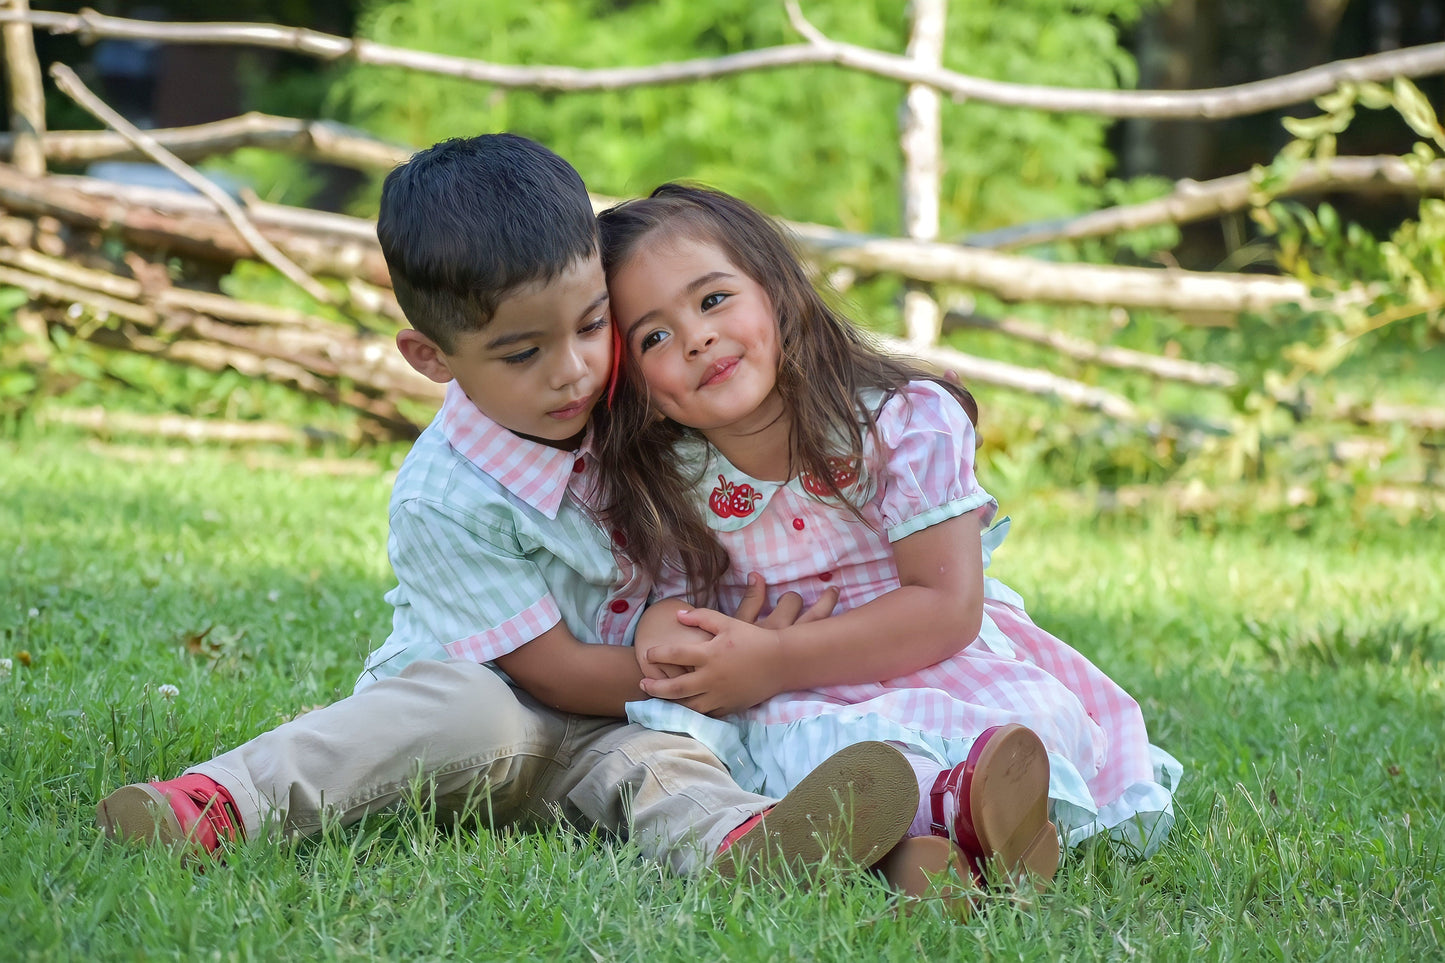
(423, 354)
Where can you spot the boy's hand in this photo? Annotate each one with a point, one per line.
(788, 610)
(733, 669)
(734, 665)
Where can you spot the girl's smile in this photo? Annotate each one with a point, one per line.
(717, 373)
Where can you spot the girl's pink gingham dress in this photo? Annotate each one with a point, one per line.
(1105, 776)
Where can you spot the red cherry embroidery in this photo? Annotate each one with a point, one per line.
(843, 470)
(730, 499)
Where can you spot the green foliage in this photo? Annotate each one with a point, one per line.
(1382, 289)
(1298, 676)
(811, 143)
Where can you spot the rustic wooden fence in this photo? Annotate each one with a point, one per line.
(52, 227)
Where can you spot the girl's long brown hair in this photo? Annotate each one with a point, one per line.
(648, 495)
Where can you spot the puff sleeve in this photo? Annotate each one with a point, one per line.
(925, 452)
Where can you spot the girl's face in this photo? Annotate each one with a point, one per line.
(703, 332)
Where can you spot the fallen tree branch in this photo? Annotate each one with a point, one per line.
(1192, 201)
(974, 370)
(322, 247)
(70, 85)
(1014, 278)
(186, 225)
(102, 422)
(1165, 369)
(331, 361)
(1213, 104)
(319, 140)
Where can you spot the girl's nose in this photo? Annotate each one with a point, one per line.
(701, 342)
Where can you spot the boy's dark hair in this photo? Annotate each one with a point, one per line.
(468, 221)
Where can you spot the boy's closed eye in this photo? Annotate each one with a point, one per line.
(521, 357)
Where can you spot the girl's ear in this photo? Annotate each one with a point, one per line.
(423, 354)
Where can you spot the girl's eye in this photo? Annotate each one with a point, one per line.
(521, 357)
(651, 340)
(713, 300)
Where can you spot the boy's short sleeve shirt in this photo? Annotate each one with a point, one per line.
(493, 544)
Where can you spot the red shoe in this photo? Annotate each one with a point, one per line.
(191, 814)
(1001, 804)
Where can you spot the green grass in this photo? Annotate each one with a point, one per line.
(1297, 671)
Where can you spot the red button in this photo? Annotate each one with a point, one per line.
(578, 465)
(798, 524)
(826, 577)
(619, 606)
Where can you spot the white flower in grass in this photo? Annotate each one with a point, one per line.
(168, 691)
(6, 665)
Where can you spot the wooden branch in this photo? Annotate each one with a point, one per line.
(1213, 104)
(1382, 413)
(319, 140)
(217, 358)
(1165, 369)
(71, 86)
(102, 422)
(975, 370)
(921, 139)
(1192, 201)
(27, 91)
(1014, 278)
(331, 361)
(187, 225)
(195, 233)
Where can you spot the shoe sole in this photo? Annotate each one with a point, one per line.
(856, 805)
(1009, 800)
(140, 813)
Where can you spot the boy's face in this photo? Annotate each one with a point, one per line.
(543, 360)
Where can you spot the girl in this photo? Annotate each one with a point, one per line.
(754, 431)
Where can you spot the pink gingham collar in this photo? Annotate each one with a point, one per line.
(536, 473)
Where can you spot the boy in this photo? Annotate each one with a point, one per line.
(492, 248)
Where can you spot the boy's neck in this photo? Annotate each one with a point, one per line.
(564, 444)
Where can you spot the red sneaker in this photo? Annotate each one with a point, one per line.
(1000, 801)
(189, 813)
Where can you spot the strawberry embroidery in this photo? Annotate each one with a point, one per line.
(843, 470)
(728, 499)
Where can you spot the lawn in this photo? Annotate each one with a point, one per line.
(1298, 671)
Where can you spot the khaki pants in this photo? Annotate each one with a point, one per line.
(481, 748)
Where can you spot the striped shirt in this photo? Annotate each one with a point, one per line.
(492, 544)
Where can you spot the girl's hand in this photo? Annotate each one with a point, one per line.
(733, 670)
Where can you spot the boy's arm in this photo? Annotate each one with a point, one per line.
(560, 671)
(569, 675)
(659, 625)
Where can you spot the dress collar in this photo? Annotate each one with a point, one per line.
(733, 498)
(537, 474)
